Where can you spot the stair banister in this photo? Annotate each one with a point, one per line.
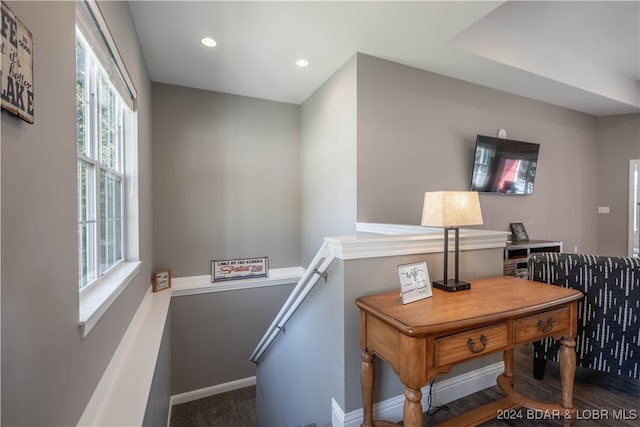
(316, 269)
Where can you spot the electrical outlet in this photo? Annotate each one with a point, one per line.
(604, 209)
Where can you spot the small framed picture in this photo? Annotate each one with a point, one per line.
(414, 282)
(519, 233)
(161, 280)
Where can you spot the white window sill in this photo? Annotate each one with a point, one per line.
(95, 301)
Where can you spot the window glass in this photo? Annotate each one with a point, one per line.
(100, 140)
(111, 220)
(82, 103)
(86, 223)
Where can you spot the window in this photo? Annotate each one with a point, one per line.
(100, 114)
(107, 159)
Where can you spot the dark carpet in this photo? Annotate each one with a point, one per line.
(232, 409)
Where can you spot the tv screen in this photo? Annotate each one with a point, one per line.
(504, 166)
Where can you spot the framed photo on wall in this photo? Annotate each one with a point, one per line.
(519, 232)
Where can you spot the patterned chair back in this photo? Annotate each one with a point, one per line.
(608, 316)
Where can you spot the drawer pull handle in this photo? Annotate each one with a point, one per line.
(471, 344)
(545, 328)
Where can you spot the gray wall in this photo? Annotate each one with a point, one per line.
(304, 374)
(213, 335)
(226, 185)
(48, 371)
(216, 157)
(328, 166)
(318, 358)
(304, 367)
(416, 133)
(225, 179)
(618, 142)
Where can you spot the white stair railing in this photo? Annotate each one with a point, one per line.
(317, 269)
(386, 240)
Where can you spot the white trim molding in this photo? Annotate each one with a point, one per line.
(123, 391)
(190, 396)
(193, 285)
(383, 228)
(393, 239)
(98, 297)
(443, 392)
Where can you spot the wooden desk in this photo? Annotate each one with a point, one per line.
(425, 338)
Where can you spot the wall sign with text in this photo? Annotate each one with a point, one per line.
(16, 48)
(239, 269)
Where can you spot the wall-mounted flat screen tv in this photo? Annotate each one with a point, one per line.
(504, 166)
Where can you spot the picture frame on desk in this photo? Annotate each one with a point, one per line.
(414, 282)
(519, 232)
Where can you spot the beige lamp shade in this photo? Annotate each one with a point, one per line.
(451, 209)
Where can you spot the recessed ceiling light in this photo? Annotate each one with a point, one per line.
(208, 42)
(302, 63)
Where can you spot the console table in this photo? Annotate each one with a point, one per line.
(428, 337)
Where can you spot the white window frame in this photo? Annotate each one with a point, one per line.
(97, 295)
(97, 166)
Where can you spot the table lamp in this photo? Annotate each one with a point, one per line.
(451, 209)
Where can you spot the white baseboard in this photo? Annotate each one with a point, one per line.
(189, 396)
(444, 391)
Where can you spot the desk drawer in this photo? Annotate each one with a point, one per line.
(467, 345)
(541, 325)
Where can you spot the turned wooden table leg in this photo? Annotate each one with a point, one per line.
(567, 375)
(412, 410)
(367, 377)
(508, 365)
(505, 380)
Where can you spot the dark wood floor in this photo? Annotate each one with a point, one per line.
(595, 394)
(599, 397)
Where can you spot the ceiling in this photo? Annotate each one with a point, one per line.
(580, 55)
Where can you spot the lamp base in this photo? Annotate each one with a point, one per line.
(451, 285)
